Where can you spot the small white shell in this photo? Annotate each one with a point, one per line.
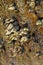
(23, 32)
(25, 29)
(37, 54)
(10, 27)
(24, 39)
(32, 4)
(9, 20)
(9, 32)
(11, 8)
(38, 22)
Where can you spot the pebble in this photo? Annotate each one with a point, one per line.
(17, 28)
(15, 23)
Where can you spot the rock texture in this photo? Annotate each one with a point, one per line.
(21, 32)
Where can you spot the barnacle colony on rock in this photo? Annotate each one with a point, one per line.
(21, 32)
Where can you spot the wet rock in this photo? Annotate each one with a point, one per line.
(23, 23)
(15, 24)
(17, 28)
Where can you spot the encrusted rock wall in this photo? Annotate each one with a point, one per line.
(21, 32)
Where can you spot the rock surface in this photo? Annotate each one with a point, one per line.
(21, 32)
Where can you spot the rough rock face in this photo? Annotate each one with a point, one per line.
(21, 32)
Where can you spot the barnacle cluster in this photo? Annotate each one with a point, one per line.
(21, 32)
